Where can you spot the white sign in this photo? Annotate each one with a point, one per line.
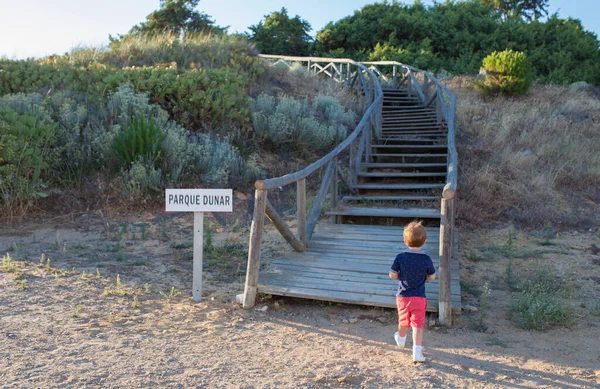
(199, 200)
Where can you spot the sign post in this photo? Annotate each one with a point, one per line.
(198, 201)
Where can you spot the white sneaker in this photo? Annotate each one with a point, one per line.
(400, 341)
(418, 354)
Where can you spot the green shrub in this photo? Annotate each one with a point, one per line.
(220, 163)
(539, 303)
(141, 178)
(507, 73)
(140, 139)
(301, 126)
(25, 144)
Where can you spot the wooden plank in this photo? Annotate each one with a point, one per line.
(385, 165)
(409, 155)
(397, 175)
(346, 286)
(443, 147)
(348, 298)
(338, 273)
(398, 186)
(389, 212)
(389, 198)
(333, 257)
(283, 273)
(371, 228)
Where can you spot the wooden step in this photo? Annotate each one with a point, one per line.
(416, 213)
(401, 174)
(413, 132)
(384, 165)
(410, 155)
(410, 146)
(393, 109)
(397, 186)
(390, 198)
(409, 132)
(394, 127)
(412, 139)
(410, 120)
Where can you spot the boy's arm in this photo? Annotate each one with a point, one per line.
(430, 271)
(395, 270)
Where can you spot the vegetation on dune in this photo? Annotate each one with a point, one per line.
(149, 111)
(521, 158)
(456, 36)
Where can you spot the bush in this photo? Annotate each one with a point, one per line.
(284, 120)
(140, 139)
(25, 144)
(508, 73)
(539, 303)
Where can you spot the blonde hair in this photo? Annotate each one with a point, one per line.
(415, 234)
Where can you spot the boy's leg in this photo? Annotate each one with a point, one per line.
(417, 336)
(419, 306)
(403, 321)
(402, 330)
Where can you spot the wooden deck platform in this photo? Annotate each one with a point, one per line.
(349, 264)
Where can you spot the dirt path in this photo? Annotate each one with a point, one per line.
(68, 329)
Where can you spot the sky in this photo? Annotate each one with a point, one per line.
(36, 28)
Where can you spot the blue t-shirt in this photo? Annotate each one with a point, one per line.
(412, 267)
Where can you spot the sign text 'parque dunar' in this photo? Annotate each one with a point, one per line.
(199, 200)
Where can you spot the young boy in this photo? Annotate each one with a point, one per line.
(412, 268)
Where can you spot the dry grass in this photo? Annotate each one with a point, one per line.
(533, 160)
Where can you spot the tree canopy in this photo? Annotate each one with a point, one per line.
(281, 34)
(178, 17)
(528, 9)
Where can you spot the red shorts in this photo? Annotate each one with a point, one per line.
(411, 311)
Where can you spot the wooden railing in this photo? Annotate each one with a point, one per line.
(431, 91)
(366, 83)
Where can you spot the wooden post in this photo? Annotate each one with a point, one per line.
(334, 189)
(351, 163)
(313, 218)
(198, 250)
(438, 105)
(348, 74)
(446, 251)
(256, 230)
(309, 66)
(301, 211)
(394, 76)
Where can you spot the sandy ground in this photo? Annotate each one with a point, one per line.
(70, 325)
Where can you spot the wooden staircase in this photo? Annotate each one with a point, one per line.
(397, 165)
(407, 173)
